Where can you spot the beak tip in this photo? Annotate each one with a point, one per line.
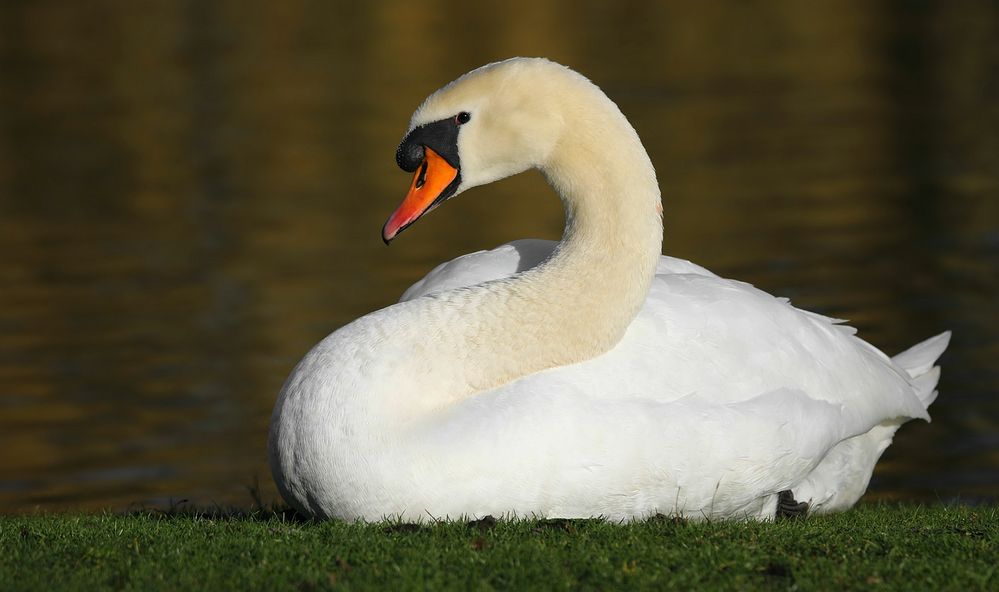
(387, 235)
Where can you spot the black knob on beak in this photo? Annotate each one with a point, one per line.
(409, 155)
(439, 136)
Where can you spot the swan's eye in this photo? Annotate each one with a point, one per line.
(462, 117)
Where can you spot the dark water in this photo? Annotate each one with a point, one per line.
(191, 195)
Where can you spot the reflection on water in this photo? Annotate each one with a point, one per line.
(191, 196)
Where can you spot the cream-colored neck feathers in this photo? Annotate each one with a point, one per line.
(577, 304)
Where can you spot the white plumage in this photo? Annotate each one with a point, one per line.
(591, 377)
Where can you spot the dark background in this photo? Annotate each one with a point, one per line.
(191, 195)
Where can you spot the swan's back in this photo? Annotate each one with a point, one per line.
(719, 339)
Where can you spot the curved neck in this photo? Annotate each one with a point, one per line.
(577, 304)
(613, 235)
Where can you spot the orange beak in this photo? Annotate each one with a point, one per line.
(426, 192)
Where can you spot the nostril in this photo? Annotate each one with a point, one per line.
(422, 179)
(409, 156)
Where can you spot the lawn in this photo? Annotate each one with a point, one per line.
(880, 547)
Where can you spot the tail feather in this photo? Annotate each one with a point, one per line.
(842, 476)
(918, 362)
(926, 385)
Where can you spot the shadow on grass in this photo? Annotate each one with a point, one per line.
(259, 511)
(182, 509)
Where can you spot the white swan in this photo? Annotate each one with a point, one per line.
(592, 377)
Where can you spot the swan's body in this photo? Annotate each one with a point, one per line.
(589, 378)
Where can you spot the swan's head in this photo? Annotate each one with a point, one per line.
(493, 122)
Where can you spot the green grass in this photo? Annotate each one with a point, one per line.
(879, 547)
